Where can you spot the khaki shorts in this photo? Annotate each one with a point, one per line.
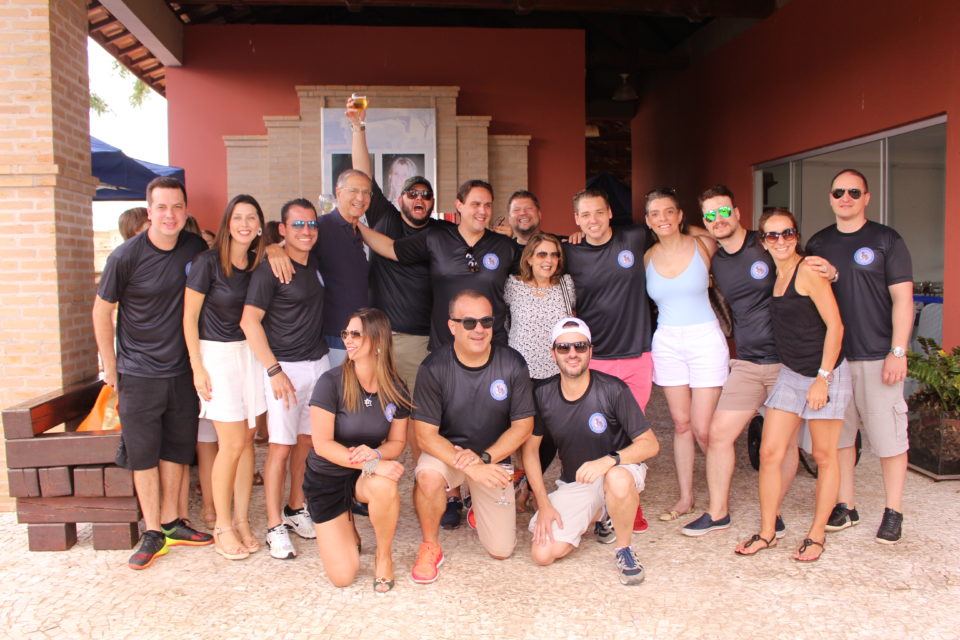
(496, 523)
(747, 386)
(578, 504)
(878, 410)
(408, 352)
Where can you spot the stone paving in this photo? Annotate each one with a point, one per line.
(694, 587)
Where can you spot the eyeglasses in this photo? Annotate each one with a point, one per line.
(547, 254)
(471, 323)
(300, 224)
(472, 263)
(423, 193)
(564, 347)
(854, 193)
(350, 333)
(786, 234)
(723, 212)
(356, 190)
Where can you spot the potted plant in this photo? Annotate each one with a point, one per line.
(934, 411)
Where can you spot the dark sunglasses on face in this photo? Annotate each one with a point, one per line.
(471, 323)
(472, 263)
(350, 333)
(854, 193)
(786, 234)
(564, 347)
(545, 254)
(300, 224)
(423, 193)
(723, 212)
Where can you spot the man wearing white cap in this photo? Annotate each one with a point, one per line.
(602, 439)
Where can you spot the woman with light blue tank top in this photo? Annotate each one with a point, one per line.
(690, 353)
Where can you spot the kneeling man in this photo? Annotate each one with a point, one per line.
(602, 438)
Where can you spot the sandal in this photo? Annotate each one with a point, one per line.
(247, 539)
(383, 585)
(807, 543)
(771, 543)
(238, 553)
(667, 516)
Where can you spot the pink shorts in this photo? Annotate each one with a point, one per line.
(636, 372)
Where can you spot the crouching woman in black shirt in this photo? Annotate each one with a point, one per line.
(358, 419)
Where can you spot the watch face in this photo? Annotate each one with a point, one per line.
(898, 352)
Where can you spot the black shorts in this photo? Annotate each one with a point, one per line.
(158, 420)
(328, 496)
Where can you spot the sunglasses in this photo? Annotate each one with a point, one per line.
(472, 263)
(854, 193)
(423, 193)
(723, 212)
(350, 333)
(564, 347)
(471, 323)
(547, 254)
(300, 224)
(786, 234)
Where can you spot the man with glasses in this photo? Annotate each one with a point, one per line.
(603, 438)
(473, 407)
(283, 324)
(874, 289)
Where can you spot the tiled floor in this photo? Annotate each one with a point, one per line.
(695, 588)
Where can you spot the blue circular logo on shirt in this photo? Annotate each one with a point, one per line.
(491, 261)
(759, 270)
(498, 390)
(864, 256)
(625, 258)
(390, 412)
(597, 423)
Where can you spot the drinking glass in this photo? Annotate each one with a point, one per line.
(502, 500)
(327, 202)
(361, 103)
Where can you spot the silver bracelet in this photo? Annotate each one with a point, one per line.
(370, 467)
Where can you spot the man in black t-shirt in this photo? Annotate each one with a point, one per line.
(602, 439)
(473, 407)
(874, 290)
(144, 280)
(283, 324)
(523, 215)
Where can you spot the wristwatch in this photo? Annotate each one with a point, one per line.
(898, 352)
(616, 457)
(826, 375)
(485, 457)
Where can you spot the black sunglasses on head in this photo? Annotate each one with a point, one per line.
(854, 193)
(564, 347)
(471, 323)
(472, 263)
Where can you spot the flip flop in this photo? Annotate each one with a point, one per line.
(389, 582)
(771, 543)
(808, 542)
(667, 516)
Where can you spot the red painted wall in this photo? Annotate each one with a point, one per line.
(815, 73)
(529, 81)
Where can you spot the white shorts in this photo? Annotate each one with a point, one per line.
(696, 355)
(284, 425)
(206, 432)
(579, 503)
(236, 380)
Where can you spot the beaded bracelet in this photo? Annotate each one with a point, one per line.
(274, 370)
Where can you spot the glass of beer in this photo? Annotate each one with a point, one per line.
(360, 104)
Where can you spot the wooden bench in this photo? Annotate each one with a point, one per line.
(60, 479)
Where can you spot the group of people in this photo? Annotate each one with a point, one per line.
(484, 350)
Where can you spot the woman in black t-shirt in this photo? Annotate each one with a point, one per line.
(813, 384)
(358, 419)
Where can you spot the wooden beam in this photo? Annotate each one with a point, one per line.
(49, 410)
(63, 449)
(77, 509)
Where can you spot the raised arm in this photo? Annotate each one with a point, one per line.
(105, 336)
(360, 154)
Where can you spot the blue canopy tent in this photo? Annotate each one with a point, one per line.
(122, 177)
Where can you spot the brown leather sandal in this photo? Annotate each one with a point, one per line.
(771, 543)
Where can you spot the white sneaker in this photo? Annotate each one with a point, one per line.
(278, 541)
(301, 524)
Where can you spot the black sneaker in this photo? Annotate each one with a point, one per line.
(781, 529)
(152, 545)
(603, 531)
(891, 527)
(704, 525)
(183, 534)
(452, 514)
(841, 517)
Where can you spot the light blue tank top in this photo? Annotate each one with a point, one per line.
(682, 301)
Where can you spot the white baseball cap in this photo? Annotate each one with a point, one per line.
(570, 325)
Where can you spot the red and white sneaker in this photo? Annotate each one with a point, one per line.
(427, 567)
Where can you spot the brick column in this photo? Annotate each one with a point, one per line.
(46, 266)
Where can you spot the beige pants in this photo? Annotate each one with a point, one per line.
(408, 352)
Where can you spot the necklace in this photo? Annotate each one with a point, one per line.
(367, 397)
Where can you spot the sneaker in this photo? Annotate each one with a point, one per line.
(452, 514)
(781, 528)
(603, 531)
(278, 541)
(300, 523)
(429, 559)
(704, 525)
(639, 522)
(182, 533)
(841, 517)
(152, 545)
(472, 518)
(631, 571)
(891, 527)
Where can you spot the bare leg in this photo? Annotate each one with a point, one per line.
(338, 550)
(242, 488)
(147, 483)
(183, 496)
(429, 499)
(847, 459)
(171, 475)
(825, 434)
(894, 477)
(274, 473)
(206, 453)
(231, 437)
(684, 449)
(725, 428)
(788, 469)
(622, 499)
(383, 496)
(298, 466)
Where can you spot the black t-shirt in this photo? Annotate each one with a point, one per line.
(224, 297)
(368, 425)
(869, 260)
(293, 319)
(343, 264)
(147, 283)
(445, 249)
(402, 291)
(612, 292)
(746, 279)
(605, 419)
(473, 406)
